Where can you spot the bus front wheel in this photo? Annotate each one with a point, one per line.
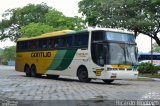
(27, 71)
(83, 75)
(107, 81)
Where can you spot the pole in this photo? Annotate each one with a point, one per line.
(151, 52)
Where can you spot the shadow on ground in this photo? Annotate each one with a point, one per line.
(93, 81)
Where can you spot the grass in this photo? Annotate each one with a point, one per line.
(150, 75)
(141, 79)
(146, 77)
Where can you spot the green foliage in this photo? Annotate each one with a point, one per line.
(140, 16)
(30, 13)
(32, 20)
(14, 19)
(55, 18)
(9, 53)
(34, 29)
(1, 52)
(156, 48)
(90, 8)
(59, 21)
(148, 68)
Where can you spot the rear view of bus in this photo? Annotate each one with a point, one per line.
(115, 54)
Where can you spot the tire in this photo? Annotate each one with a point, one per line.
(27, 71)
(107, 81)
(52, 76)
(34, 71)
(83, 75)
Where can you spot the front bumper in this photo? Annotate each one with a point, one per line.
(118, 75)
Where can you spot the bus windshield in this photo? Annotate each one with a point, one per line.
(120, 53)
(113, 48)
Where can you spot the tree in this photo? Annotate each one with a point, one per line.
(90, 9)
(9, 53)
(140, 16)
(59, 21)
(32, 20)
(1, 52)
(35, 29)
(14, 19)
(156, 48)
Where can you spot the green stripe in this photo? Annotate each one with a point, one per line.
(58, 59)
(63, 59)
(67, 59)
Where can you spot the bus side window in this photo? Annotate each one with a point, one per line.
(62, 42)
(22, 46)
(51, 43)
(69, 41)
(30, 44)
(56, 42)
(19, 46)
(82, 40)
(42, 44)
(33, 45)
(25, 46)
(97, 35)
(45, 44)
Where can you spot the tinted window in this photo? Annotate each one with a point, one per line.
(62, 42)
(42, 44)
(81, 39)
(32, 45)
(51, 43)
(97, 36)
(21, 46)
(69, 41)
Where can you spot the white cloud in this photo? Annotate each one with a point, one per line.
(144, 43)
(6, 43)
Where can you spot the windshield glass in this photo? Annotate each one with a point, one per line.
(121, 54)
(113, 48)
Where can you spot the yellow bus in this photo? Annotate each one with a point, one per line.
(98, 53)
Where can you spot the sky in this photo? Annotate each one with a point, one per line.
(69, 8)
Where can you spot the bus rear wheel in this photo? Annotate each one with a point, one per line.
(27, 71)
(34, 71)
(107, 81)
(83, 75)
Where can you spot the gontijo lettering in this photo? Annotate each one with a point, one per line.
(41, 54)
